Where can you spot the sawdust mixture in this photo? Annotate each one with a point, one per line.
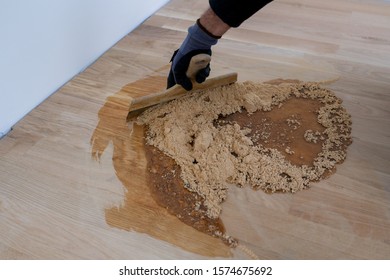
(277, 136)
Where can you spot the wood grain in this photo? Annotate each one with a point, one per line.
(55, 198)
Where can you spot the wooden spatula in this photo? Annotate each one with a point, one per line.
(138, 105)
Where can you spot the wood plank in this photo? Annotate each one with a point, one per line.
(58, 202)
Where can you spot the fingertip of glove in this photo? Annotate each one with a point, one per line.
(187, 85)
(170, 80)
(200, 79)
(202, 75)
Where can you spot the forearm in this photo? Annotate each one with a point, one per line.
(213, 24)
(224, 14)
(219, 18)
(235, 12)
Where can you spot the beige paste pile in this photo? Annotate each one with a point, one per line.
(211, 157)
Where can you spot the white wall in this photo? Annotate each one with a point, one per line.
(44, 43)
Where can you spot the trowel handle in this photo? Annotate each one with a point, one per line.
(197, 63)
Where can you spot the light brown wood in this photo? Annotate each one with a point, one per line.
(58, 202)
(140, 104)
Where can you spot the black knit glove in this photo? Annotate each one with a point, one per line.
(177, 74)
(198, 41)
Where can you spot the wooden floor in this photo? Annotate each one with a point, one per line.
(56, 199)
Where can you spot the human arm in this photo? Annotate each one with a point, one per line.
(209, 28)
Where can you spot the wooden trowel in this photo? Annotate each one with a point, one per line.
(140, 104)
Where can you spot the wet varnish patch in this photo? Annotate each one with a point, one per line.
(161, 202)
(277, 137)
(140, 211)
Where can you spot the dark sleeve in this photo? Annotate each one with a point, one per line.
(235, 12)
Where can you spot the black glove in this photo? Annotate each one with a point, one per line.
(198, 41)
(177, 74)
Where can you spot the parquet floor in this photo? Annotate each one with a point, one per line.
(57, 201)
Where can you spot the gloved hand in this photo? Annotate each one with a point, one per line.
(198, 41)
